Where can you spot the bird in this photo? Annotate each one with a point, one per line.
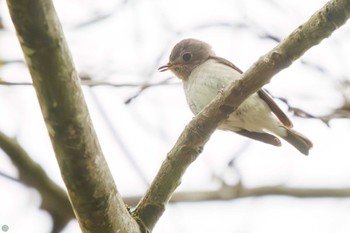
(204, 75)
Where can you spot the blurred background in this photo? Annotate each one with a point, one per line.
(236, 185)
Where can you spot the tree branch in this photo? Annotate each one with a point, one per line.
(197, 132)
(93, 83)
(97, 204)
(236, 192)
(54, 198)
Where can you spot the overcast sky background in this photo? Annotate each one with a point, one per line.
(126, 45)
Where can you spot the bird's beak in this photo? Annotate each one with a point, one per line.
(165, 67)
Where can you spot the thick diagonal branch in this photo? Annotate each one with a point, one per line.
(91, 189)
(197, 132)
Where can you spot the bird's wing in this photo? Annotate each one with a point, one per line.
(262, 94)
(275, 108)
(226, 62)
(262, 137)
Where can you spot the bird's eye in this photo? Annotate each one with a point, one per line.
(186, 57)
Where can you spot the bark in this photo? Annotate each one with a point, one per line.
(96, 202)
(190, 143)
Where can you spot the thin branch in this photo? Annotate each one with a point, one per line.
(91, 188)
(343, 112)
(146, 86)
(6, 83)
(6, 62)
(54, 198)
(198, 131)
(10, 177)
(92, 83)
(339, 113)
(88, 82)
(238, 192)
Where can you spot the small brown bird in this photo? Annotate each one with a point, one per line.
(204, 75)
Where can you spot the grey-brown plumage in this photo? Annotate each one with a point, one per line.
(204, 75)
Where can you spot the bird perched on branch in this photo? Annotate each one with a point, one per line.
(204, 75)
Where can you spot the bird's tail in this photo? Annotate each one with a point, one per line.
(299, 141)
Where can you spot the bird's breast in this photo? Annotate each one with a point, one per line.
(205, 82)
(199, 94)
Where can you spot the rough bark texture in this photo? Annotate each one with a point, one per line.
(93, 194)
(197, 132)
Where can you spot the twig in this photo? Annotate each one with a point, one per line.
(146, 86)
(92, 83)
(342, 112)
(236, 192)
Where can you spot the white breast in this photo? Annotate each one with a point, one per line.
(205, 82)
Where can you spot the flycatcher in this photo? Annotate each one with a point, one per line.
(204, 75)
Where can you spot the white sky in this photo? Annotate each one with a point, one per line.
(128, 47)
